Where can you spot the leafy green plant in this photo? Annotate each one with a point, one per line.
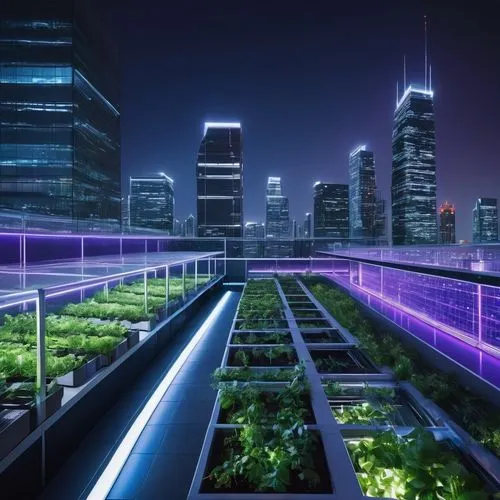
(415, 466)
(247, 375)
(364, 413)
(112, 311)
(475, 414)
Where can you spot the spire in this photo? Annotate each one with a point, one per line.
(425, 50)
(404, 73)
(430, 77)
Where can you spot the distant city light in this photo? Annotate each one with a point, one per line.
(221, 125)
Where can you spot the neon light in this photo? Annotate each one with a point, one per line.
(115, 465)
(317, 183)
(273, 179)
(221, 125)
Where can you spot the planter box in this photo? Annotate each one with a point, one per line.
(216, 457)
(261, 338)
(116, 353)
(262, 324)
(78, 377)
(261, 361)
(144, 325)
(323, 336)
(342, 361)
(313, 323)
(307, 314)
(133, 337)
(14, 427)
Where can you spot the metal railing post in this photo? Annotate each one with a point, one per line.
(146, 292)
(167, 286)
(196, 274)
(41, 383)
(183, 281)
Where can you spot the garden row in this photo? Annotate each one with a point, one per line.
(264, 435)
(80, 340)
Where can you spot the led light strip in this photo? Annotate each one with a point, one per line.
(115, 465)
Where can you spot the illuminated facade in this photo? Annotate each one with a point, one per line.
(485, 221)
(331, 210)
(362, 186)
(277, 220)
(308, 225)
(190, 226)
(446, 223)
(414, 218)
(151, 203)
(219, 180)
(60, 126)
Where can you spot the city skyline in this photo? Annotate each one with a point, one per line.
(335, 108)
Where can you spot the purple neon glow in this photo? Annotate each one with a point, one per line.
(480, 258)
(472, 358)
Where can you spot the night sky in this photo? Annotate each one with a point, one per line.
(309, 81)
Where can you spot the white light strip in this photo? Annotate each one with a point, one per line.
(221, 125)
(110, 474)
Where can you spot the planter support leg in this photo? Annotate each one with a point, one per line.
(146, 292)
(40, 355)
(183, 281)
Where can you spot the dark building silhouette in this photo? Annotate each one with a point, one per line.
(414, 218)
(447, 223)
(60, 117)
(331, 210)
(485, 221)
(219, 181)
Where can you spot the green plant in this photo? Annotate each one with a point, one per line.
(412, 467)
(364, 413)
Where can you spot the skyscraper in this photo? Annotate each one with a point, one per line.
(189, 224)
(414, 218)
(308, 226)
(219, 178)
(253, 246)
(446, 223)
(60, 126)
(331, 210)
(151, 203)
(485, 221)
(380, 216)
(277, 220)
(362, 186)
(294, 229)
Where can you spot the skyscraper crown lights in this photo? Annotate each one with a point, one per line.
(414, 89)
(221, 125)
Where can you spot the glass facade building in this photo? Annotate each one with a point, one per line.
(447, 223)
(60, 126)
(219, 180)
(362, 187)
(308, 226)
(485, 221)
(190, 225)
(331, 210)
(277, 220)
(151, 203)
(414, 219)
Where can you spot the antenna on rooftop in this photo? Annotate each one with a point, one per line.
(404, 73)
(430, 77)
(425, 49)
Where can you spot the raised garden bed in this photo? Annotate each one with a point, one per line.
(313, 323)
(14, 427)
(414, 466)
(261, 338)
(341, 361)
(262, 356)
(325, 336)
(255, 474)
(307, 314)
(261, 324)
(298, 306)
(377, 406)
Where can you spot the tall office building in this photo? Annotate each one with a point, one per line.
(380, 216)
(178, 228)
(331, 210)
(219, 178)
(485, 221)
(189, 224)
(446, 223)
(308, 226)
(294, 229)
(414, 218)
(151, 203)
(277, 220)
(254, 234)
(362, 186)
(60, 125)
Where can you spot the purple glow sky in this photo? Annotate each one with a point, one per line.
(309, 82)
